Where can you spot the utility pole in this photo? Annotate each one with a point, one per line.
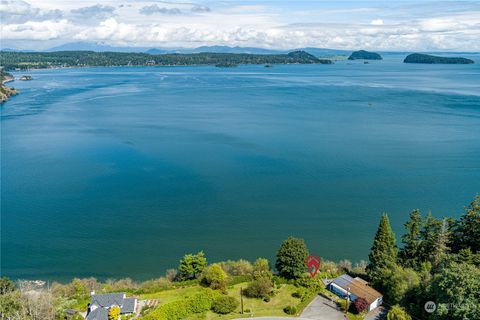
(241, 297)
(348, 300)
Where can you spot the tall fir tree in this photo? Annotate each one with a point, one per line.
(429, 233)
(409, 255)
(467, 229)
(383, 255)
(441, 248)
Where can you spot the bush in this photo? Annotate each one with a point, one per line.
(201, 301)
(398, 313)
(290, 310)
(154, 285)
(297, 294)
(224, 304)
(214, 277)
(237, 268)
(181, 309)
(359, 305)
(267, 299)
(171, 275)
(306, 281)
(114, 313)
(259, 288)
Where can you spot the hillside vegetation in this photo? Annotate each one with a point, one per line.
(5, 91)
(27, 60)
(438, 260)
(364, 55)
(430, 59)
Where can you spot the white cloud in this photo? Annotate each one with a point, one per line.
(96, 12)
(174, 24)
(154, 9)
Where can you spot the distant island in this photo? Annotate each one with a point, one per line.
(364, 55)
(26, 78)
(63, 59)
(427, 58)
(5, 91)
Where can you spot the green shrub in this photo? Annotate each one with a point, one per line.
(290, 310)
(259, 288)
(224, 304)
(297, 294)
(214, 277)
(176, 310)
(200, 302)
(237, 268)
(267, 299)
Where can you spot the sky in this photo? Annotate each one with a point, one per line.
(422, 25)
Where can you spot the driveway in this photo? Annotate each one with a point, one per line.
(377, 314)
(322, 309)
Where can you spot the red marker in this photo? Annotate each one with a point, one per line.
(313, 264)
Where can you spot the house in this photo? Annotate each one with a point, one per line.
(355, 288)
(101, 303)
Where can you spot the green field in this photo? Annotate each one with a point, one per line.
(255, 307)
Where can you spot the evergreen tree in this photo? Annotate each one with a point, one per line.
(467, 230)
(383, 255)
(192, 265)
(291, 258)
(457, 285)
(429, 233)
(410, 253)
(441, 247)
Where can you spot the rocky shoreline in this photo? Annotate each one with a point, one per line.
(6, 91)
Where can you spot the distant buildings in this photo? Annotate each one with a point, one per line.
(101, 303)
(356, 288)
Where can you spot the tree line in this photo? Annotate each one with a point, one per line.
(28, 60)
(438, 260)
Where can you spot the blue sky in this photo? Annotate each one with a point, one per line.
(377, 25)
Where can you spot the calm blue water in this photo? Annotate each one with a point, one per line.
(117, 172)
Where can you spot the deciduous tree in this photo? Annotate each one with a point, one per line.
(214, 277)
(398, 313)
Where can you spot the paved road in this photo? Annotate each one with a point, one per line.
(322, 309)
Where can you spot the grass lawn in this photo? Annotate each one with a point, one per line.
(171, 294)
(257, 307)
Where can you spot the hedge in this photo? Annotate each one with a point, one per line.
(180, 309)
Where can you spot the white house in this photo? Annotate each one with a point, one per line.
(356, 287)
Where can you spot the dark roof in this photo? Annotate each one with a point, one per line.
(107, 300)
(128, 305)
(343, 281)
(98, 314)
